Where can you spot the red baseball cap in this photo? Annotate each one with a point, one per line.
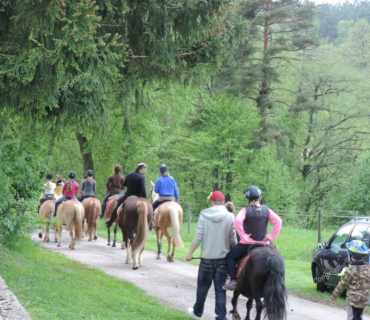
(216, 196)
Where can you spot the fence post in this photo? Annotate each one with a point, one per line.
(189, 217)
(319, 225)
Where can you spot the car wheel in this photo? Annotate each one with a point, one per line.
(319, 280)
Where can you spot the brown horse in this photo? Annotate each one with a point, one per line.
(70, 213)
(112, 203)
(45, 211)
(262, 276)
(92, 208)
(136, 215)
(168, 215)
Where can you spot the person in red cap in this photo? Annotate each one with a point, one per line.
(216, 234)
(251, 225)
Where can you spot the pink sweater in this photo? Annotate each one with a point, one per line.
(70, 193)
(245, 239)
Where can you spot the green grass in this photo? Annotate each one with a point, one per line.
(51, 286)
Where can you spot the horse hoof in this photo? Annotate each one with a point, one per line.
(95, 238)
(170, 259)
(40, 235)
(158, 258)
(108, 244)
(135, 268)
(113, 245)
(72, 248)
(89, 240)
(58, 245)
(236, 316)
(47, 240)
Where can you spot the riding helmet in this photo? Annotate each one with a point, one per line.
(163, 168)
(253, 193)
(117, 168)
(72, 175)
(89, 173)
(49, 176)
(357, 249)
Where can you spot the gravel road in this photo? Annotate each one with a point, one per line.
(174, 284)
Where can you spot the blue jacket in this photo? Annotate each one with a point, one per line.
(166, 186)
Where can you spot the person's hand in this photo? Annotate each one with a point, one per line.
(189, 256)
(177, 200)
(267, 237)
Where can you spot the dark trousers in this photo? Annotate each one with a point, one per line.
(211, 270)
(44, 198)
(357, 313)
(110, 194)
(157, 203)
(234, 255)
(84, 197)
(119, 202)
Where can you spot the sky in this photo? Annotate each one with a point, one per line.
(330, 1)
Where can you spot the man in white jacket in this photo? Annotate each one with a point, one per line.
(216, 234)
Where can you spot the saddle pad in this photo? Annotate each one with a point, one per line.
(109, 202)
(241, 264)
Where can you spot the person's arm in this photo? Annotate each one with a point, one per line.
(277, 222)
(232, 235)
(122, 183)
(239, 225)
(107, 184)
(198, 237)
(143, 189)
(94, 187)
(342, 285)
(176, 191)
(82, 188)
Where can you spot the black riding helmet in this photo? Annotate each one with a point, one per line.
(89, 173)
(49, 176)
(253, 193)
(72, 175)
(163, 168)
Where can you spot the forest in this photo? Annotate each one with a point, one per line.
(226, 93)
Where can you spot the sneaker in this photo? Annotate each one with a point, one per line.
(192, 314)
(231, 285)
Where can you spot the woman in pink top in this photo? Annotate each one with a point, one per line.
(251, 226)
(70, 189)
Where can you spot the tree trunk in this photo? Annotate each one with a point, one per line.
(87, 160)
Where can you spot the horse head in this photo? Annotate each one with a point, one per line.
(153, 194)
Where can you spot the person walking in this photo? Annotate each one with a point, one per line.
(356, 280)
(135, 184)
(215, 233)
(251, 226)
(114, 185)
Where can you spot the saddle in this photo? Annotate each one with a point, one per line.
(244, 260)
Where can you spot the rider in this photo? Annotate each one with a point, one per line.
(49, 188)
(166, 188)
(356, 280)
(114, 185)
(251, 226)
(70, 190)
(59, 186)
(135, 184)
(88, 189)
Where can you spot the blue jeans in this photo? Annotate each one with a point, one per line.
(211, 270)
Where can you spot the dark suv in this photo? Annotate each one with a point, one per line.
(332, 256)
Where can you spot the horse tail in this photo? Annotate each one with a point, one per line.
(142, 226)
(91, 217)
(175, 223)
(274, 292)
(79, 217)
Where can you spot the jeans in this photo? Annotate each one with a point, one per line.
(60, 200)
(211, 270)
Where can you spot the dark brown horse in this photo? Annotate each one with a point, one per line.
(134, 220)
(262, 276)
(111, 204)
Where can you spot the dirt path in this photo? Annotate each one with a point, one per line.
(174, 284)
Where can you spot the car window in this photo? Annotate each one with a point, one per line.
(341, 236)
(360, 232)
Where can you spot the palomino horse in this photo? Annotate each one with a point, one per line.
(136, 215)
(111, 204)
(70, 213)
(262, 276)
(45, 211)
(168, 215)
(92, 208)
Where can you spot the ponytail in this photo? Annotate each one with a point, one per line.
(90, 180)
(70, 182)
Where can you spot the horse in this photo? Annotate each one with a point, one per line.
(168, 215)
(111, 204)
(92, 207)
(45, 211)
(262, 276)
(134, 220)
(70, 213)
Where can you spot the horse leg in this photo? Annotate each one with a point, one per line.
(234, 302)
(96, 229)
(159, 241)
(128, 247)
(108, 244)
(58, 230)
(72, 243)
(47, 233)
(115, 235)
(123, 246)
(135, 256)
(249, 308)
(165, 231)
(259, 308)
(141, 258)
